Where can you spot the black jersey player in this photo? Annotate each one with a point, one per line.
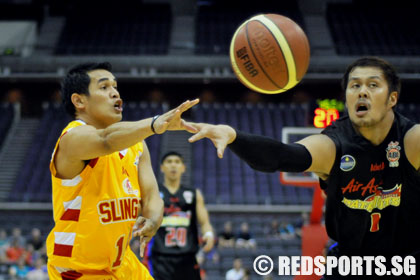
(368, 163)
(173, 248)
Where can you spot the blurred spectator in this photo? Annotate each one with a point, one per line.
(252, 97)
(39, 272)
(15, 251)
(19, 270)
(4, 244)
(55, 97)
(17, 235)
(273, 229)
(156, 96)
(287, 231)
(36, 239)
(30, 255)
(245, 239)
(247, 274)
(226, 237)
(237, 272)
(14, 95)
(207, 96)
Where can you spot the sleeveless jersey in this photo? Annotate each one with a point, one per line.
(94, 212)
(178, 233)
(373, 192)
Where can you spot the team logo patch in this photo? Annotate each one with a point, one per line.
(393, 153)
(188, 196)
(128, 188)
(347, 163)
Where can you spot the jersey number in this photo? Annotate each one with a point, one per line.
(374, 218)
(175, 236)
(120, 247)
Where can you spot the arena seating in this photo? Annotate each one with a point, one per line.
(131, 29)
(216, 23)
(231, 181)
(366, 28)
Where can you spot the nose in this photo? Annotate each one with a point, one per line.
(115, 93)
(363, 93)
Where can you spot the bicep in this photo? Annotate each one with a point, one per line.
(83, 143)
(147, 179)
(323, 152)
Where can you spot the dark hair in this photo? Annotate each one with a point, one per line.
(171, 153)
(77, 80)
(391, 76)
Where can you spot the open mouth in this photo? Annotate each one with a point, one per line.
(362, 108)
(118, 105)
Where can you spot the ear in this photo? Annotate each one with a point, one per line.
(78, 100)
(393, 98)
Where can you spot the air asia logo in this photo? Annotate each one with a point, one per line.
(355, 186)
(393, 153)
(347, 163)
(379, 200)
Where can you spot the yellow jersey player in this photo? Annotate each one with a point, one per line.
(103, 187)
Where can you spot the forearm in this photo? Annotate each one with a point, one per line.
(269, 155)
(122, 135)
(206, 227)
(152, 208)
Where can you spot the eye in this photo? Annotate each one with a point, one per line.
(103, 87)
(373, 85)
(355, 86)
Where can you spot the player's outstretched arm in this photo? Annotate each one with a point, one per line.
(86, 142)
(151, 214)
(266, 154)
(204, 221)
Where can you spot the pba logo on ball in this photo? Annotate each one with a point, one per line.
(347, 163)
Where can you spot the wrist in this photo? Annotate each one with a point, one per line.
(208, 234)
(153, 122)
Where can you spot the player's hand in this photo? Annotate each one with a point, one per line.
(145, 229)
(220, 135)
(208, 243)
(172, 120)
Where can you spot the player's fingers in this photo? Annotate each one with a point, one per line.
(220, 149)
(140, 221)
(200, 135)
(188, 126)
(187, 105)
(143, 243)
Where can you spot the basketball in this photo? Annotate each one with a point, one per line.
(269, 53)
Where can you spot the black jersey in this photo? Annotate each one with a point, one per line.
(373, 193)
(178, 233)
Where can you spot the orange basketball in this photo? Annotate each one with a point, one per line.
(269, 53)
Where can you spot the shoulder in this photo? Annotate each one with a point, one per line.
(412, 145)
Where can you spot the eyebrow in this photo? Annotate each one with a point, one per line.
(105, 79)
(370, 77)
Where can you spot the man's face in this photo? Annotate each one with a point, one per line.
(172, 167)
(104, 104)
(367, 97)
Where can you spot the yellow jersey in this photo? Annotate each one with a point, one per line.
(94, 212)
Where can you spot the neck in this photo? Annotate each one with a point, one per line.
(172, 184)
(377, 133)
(90, 121)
